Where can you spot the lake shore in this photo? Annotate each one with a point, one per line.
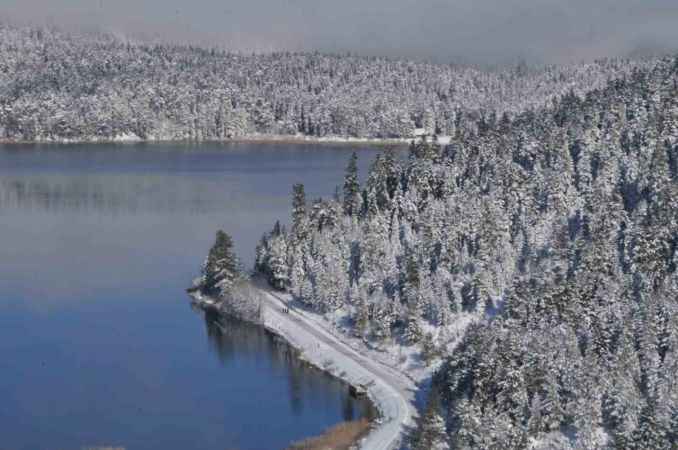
(390, 390)
(340, 437)
(254, 138)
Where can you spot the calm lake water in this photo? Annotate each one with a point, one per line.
(98, 343)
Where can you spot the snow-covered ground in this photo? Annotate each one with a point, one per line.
(391, 373)
(390, 390)
(254, 137)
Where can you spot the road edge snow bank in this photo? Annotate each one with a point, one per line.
(391, 391)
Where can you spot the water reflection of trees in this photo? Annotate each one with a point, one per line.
(232, 339)
(120, 193)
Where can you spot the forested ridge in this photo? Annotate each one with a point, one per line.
(57, 86)
(556, 229)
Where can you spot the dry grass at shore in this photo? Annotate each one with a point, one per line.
(103, 448)
(340, 437)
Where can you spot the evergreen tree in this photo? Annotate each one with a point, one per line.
(352, 198)
(277, 265)
(221, 267)
(428, 348)
(299, 227)
(651, 434)
(431, 433)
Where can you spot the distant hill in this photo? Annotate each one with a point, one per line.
(56, 86)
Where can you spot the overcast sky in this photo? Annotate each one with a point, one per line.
(479, 31)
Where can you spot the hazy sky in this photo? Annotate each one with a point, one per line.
(484, 31)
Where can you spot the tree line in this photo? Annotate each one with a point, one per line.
(58, 86)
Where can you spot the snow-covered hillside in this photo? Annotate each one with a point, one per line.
(56, 86)
(557, 230)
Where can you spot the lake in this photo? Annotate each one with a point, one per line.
(98, 343)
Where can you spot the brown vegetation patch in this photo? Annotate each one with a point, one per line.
(103, 448)
(340, 437)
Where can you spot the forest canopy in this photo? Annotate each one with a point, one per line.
(56, 86)
(557, 230)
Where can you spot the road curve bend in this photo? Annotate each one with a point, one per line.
(390, 390)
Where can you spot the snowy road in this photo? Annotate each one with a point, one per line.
(390, 390)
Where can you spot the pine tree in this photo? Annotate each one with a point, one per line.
(413, 331)
(352, 198)
(431, 433)
(651, 434)
(277, 265)
(428, 348)
(221, 267)
(299, 226)
(362, 317)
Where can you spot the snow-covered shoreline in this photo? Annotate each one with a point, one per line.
(241, 139)
(252, 138)
(391, 391)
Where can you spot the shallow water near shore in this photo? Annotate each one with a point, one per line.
(98, 343)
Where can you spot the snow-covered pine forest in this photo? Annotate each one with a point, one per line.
(56, 86)
(557, 229)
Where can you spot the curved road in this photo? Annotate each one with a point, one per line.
(390, 390)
